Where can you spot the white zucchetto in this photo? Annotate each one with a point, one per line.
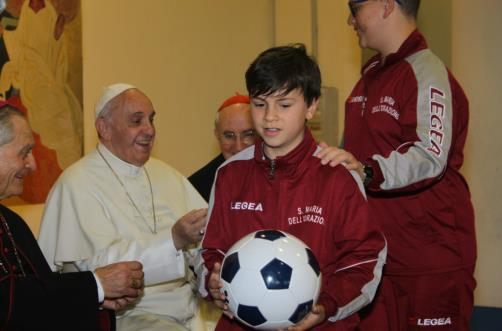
(109, 93)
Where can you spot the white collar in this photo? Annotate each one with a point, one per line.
(119, 165)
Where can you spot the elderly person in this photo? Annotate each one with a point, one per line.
(31, 296)
(233, 128)
(118, 203)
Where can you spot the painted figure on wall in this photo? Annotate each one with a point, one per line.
(34, 77)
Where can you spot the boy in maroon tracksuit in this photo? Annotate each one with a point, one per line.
(279, 183)
(405, 128)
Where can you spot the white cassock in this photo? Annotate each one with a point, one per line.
(89, 221)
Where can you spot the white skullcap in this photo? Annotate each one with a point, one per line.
(109, 93)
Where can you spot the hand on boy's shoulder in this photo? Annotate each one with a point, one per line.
(333, 156)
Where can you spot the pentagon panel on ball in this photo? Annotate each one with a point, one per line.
(271, 279)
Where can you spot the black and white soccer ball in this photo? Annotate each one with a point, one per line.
(271, 279)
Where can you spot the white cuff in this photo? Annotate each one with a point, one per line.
(101, 292)
(165, 265)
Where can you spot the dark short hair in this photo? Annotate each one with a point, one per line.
(6, 128)
(284, 69)
(410, 7)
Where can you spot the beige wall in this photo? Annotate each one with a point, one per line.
(186, 55)
(339, 55)
(434, 21)
(477, 50)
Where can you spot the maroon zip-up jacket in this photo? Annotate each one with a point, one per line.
(323, 206)
(407, 118)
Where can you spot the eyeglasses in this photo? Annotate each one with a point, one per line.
(246, 137)
(354, 6)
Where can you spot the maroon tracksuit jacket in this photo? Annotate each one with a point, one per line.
(323, 206)
(408, 119)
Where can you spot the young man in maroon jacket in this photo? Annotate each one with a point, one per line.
(405, 129)
(288, 187)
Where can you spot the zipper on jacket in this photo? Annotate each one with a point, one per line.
(272, 169)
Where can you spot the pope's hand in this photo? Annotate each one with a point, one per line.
(190, 228)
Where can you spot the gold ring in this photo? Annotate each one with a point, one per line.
(134, 283)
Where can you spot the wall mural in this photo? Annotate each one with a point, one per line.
(41, 73)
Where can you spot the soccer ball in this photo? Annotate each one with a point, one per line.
(271, 279)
